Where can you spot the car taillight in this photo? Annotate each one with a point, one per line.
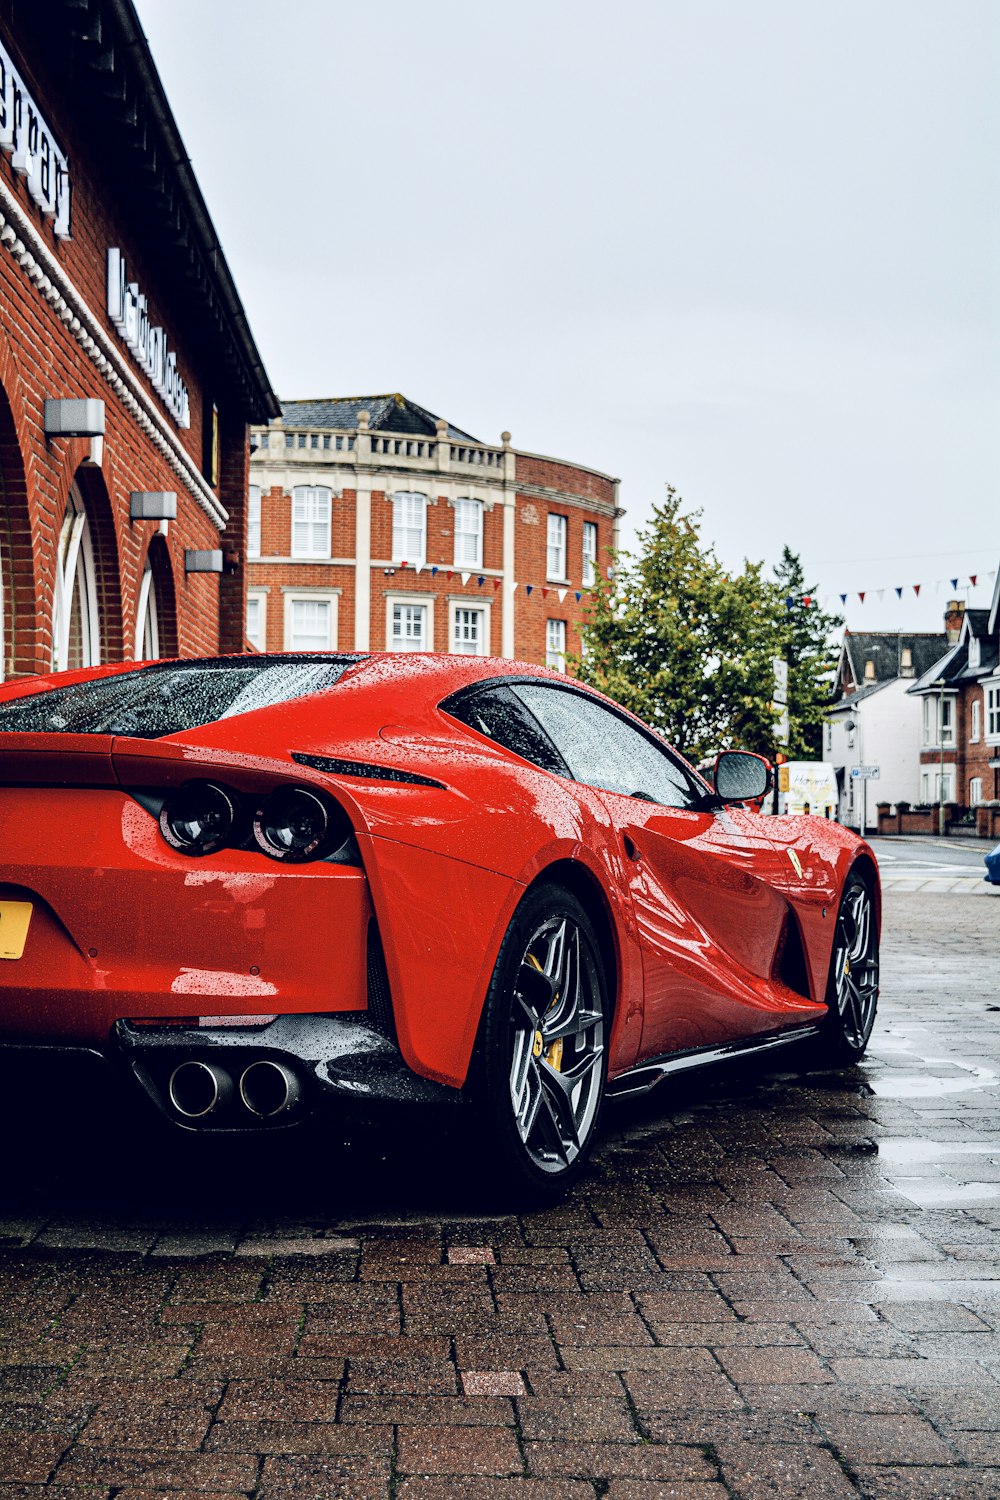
(293, 824)
(198, 818)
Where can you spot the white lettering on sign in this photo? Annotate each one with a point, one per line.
(33, 152)
(129, 311)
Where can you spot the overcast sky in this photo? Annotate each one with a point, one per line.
(748, 249)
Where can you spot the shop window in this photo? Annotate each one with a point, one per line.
(147, 623)
(76, 634)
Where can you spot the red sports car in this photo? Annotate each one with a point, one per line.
(259, 886)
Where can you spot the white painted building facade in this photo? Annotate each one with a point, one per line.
(880, 725)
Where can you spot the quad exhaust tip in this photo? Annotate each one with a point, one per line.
(268, 1089)
(197, 1088)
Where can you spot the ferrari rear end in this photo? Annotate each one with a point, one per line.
(196, 922)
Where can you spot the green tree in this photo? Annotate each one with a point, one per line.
(682, 643)
(806, 633)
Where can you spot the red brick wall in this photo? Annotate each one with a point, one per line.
(39, 359)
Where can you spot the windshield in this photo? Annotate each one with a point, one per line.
(173, 696)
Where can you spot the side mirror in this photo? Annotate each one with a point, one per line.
(741, 776)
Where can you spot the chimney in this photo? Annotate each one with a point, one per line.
(953, 617)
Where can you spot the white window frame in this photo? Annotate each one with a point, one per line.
(258, 597)
(556, 530)
(589, 554)
(974, 651)
(293, 596)
(932, 778)
(254, 493)
(76, 574)
(409, 527)
(147, 616)
(466, 509)
(992, 696)
(555, 645)
(975, 791)
(392, 601)
(482, 607)
(977, 722)
(312, 520)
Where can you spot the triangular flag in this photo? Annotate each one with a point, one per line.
(545, 593)
(514, 587)
(843, 598)
(465, 578)
(529, 589)
(449, 574)
(807, 600)
(881, 594)
(562, 594)
(972, 578)
(434, 572)
(578, 594)
(954, 583)
(420, 567)
(899, 593)
(402, 564)
(481, 579)
(991, 575)
(916, 589)
(789, 602)
(861, 597)
(498, 584)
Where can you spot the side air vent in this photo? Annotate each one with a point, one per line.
(364, 769)
(379, 999)
(790, 959)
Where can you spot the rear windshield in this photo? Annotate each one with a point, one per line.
(166, 699)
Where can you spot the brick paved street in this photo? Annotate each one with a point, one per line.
(765, 1286)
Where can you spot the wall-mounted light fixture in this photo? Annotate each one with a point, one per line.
(152, 505)
(74, 418)
(203, 560)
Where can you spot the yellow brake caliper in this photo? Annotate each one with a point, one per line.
(554, 1051)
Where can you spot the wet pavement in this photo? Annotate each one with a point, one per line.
(768, 1284)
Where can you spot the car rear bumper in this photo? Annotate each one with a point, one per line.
(231, 1079)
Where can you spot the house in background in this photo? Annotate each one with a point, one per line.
(375, 525)
(959, 697)
(874, 721)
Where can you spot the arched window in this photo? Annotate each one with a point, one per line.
(76, 632)
(147, 624)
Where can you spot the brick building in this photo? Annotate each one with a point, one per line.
(128, 373)
(376, 525)
(960, 708)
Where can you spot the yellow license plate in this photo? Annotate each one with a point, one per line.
(14, 919)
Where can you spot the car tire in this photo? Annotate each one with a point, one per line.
(852, 986)
(538, 1077)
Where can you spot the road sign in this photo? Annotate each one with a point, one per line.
(867, 773)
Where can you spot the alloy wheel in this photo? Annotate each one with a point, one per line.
(557, 1044)
(855, 966)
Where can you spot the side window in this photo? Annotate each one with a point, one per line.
(605, 751)
(498, 714)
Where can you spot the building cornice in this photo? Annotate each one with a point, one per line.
(28, 250)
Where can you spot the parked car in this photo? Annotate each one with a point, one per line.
(258, 888)
(992, 863)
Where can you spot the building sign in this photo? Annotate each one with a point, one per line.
(129, 312)
(31, 147)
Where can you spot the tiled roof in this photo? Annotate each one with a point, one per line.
(884, 648)
(392, 413)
